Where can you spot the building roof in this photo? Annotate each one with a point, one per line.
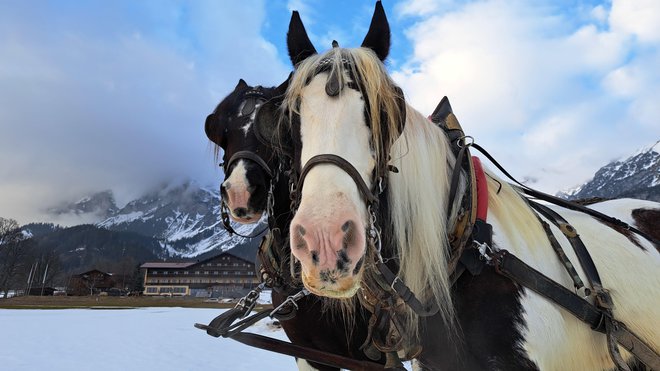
(247, 252)
(168, 264)
(92, 271)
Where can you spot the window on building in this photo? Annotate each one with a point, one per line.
(152, 290)
(176, 273)
(225, 273)
(186, 272)
(206, 272)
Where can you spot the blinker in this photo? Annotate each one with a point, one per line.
(249, 106)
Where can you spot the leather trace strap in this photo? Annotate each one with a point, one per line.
(599, 320)
(405, 293)
(599, 316)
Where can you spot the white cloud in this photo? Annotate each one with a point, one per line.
(640, 18)
(114, 96)
(420, 7)
(553, 94)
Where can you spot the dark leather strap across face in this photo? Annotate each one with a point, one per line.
(248, 155)
(367, 194)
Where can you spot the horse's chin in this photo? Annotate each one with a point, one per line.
(345, 288)
(250, 219)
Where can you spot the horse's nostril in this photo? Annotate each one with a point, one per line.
(225, 185)
(240, 212)
(349, 233)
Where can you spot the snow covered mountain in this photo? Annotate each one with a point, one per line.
(184, 219)
(638, 176)
(101, 205)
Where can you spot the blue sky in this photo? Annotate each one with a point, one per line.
(102, 95)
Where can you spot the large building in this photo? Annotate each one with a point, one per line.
(229, 274)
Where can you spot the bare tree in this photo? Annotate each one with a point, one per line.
(13, 253)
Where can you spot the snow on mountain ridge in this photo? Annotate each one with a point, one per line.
(184, 218)
(637, 176)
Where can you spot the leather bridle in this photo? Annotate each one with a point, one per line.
(371, 197)
(252, 100)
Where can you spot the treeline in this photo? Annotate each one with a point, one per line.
(46, 254)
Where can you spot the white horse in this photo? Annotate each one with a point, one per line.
(342, 103)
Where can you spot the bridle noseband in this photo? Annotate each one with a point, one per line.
(370, 196)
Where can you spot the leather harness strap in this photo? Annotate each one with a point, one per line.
(249, 155)
(310, 354)
(405, 294)
(598, 316)
(518, 271)
(346, 166)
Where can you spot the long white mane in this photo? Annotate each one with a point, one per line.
(418, 205)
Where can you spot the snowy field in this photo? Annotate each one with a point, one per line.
(142, 339)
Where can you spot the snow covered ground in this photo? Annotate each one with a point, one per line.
(142, 339)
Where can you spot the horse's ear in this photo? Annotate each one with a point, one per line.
(378, 37)
(281, 89)
(401, 103)
(212, 129)
(441, 111)
(241, 85)
(297, 41)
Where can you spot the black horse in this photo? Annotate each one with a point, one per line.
(256, 182)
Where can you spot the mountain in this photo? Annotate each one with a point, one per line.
(82, 247)
(184, 219)
(101, 204)
(638, 176)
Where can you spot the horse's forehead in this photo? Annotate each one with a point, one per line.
(318, 108)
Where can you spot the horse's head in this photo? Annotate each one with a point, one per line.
(340, 104)
(247, 162)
